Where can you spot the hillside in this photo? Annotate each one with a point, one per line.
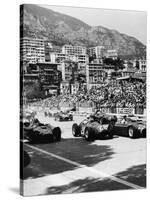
(62, 29)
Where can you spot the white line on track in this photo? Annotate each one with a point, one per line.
(134, 186)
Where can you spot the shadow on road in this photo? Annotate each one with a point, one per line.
(87, 185)
(135, 174)
(77, 150)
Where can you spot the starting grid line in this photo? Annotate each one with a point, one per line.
(134, 186)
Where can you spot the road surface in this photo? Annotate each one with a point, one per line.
(74, 165)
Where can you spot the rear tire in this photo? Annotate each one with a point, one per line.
(71, 118)
(57, 134)
(89, 134)
(144, 133)
(110, 131)
(75, 130)
(111, 134)
(131, 132)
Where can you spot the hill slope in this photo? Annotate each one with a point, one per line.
(62, 29)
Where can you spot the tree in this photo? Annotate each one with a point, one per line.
(34, 91)
(117, 63)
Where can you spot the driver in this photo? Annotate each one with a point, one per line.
(89, 118)
(124, 120)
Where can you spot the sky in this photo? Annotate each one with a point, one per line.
(132, 23)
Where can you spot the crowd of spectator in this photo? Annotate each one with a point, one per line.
(124, 95)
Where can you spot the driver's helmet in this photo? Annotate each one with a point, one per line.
(110, 118)
(124, 119)
(88, 116)
(98, 113)
(92, 118)
(113, 119)
(36, 121)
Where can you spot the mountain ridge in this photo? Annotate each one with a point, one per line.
(63, 29)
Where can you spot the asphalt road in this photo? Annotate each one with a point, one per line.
(74, 165)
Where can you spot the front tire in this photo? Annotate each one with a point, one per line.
(111, 134)
(71, 118)
(57, 134)
(131, 132)
(88, 134)
(75, 130)
(144, 133)
(110, 131)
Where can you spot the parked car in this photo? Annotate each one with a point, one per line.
(63, 116)
(95, 127)
(132, 127)
(37, 132)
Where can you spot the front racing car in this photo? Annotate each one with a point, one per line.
(131, 127)
(94, 128)
(63, 116)
(37, 132)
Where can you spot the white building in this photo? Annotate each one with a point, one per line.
(64, 87)
(57, 57)
(111, 53)
(66, 71)
(60, 57)
(82, 58)
(97, 51)
(142, 65)
(95, 75)
(32, 50)
(82, 68)
(76, 50)
(74, 88)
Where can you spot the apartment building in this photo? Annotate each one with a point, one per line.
(111, 53)
(97, 51)
(74, 88)
(50, 48)
(69, 71)
(142, 65)
(57, 57)
(69, 49)
(95, 75)
(60, 57)
(64, 87)
(48, 72)
(32, 50)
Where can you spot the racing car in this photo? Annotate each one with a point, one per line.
(37, 132)
(132, 127)
(63, 116)
(95, 127)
